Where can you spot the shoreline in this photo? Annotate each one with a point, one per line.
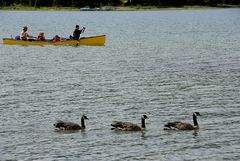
(113, 8)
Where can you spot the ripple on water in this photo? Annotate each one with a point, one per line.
(166, 65)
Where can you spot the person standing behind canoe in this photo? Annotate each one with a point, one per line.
(77, 32)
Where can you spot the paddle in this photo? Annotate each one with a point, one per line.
(83, 29)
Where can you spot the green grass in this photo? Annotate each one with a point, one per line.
(121, 8)
(29, 8)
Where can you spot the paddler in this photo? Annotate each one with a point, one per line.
(24, 35)
(77, 32)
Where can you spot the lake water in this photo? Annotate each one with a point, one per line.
(165, 64)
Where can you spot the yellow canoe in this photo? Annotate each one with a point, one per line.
(90, 41)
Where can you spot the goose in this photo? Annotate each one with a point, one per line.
(182, 125)
(63, 125)
(128, 126)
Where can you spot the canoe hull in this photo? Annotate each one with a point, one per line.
(90, 41)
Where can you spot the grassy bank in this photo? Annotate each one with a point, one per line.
(28, 8)
(119, 8)
(159, 7)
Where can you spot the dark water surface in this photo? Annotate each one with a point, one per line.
(165, 64)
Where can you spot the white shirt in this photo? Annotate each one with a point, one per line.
(24, 35)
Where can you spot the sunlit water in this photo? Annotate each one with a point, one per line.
(165, 64)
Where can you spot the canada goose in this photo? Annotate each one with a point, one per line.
(182, 125)
(128, 126)
(70, 125)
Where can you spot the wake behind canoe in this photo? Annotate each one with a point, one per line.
(90, 41)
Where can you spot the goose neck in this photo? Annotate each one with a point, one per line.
(143, 123)
(82, 123)
(195, 120)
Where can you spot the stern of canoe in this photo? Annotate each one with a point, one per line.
(21, 42)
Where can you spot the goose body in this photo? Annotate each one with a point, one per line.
(63, 125)
(128, 126)
(177, 125)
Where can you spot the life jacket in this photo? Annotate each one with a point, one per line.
(56, 39)
(42, 38)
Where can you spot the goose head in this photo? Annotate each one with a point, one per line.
(144, 117)
(196, 114)
(85, 117)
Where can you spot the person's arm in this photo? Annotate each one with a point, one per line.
(30, 36)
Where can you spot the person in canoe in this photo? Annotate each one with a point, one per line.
(41, 36)
(56, 38)
(77, 32)
(24, 35)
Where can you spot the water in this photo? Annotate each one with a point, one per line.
(165, 64)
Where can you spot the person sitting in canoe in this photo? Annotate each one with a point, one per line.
(77, 32)
(24, 35)
(41, 36)
(56, 38)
